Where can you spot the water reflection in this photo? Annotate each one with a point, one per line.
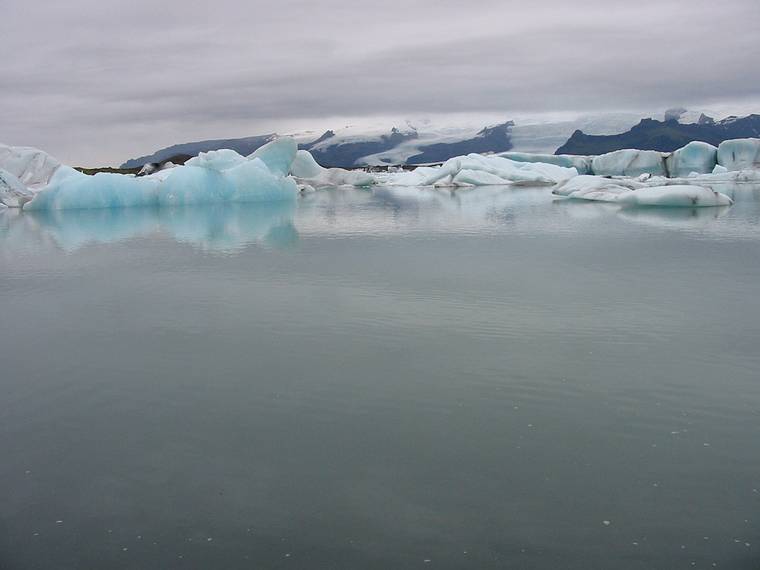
(223, 227)
(382, 211)
(673, 218)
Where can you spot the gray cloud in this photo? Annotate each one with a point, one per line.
(99, 81)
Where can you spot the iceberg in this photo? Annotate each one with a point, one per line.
(13, 194)
(587, 183)
(278, 155)
(696, 157)
(504, 171)
(477, 178)
(739, 154)
(629, 163)
(310, 173)
(581, 163)
(32, 167)
(681, 195)
(215, 160)
(242, 181)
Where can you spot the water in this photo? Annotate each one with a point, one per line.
(387, 380)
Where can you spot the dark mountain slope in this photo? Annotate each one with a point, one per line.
(490, 139)
(664, 136)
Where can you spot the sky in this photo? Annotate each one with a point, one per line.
(96, 82)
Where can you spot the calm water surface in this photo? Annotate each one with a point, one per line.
(381, 380)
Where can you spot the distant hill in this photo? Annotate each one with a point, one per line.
(490, 139)
(347, 154)
(664, 136)
(344, 151)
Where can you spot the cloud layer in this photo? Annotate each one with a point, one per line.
(100, 81)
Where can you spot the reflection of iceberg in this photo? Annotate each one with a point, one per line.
(221, 227)
(673, 218)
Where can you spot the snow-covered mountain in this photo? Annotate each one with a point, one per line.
(420, 141)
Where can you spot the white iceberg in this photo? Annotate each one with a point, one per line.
(33, 168)
(278, 154)
(477, 178)
(218, 160)
(695, 158)
(629, 163)
(504, 171)
(310, 173)
(581, 163)
(681, 195)
(585, 184)
(13, 194)
(739, 154)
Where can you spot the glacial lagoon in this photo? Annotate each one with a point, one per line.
(387, 378)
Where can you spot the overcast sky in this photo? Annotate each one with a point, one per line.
(100, 81)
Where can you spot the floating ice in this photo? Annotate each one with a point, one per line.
(739, 154)
(306, 170)
(502, 169)
(477, 178)
(581, 163)
(696, 157)
(13, 194)
(249, 181)
(278, 154)
(585, 184)
(680, 195)
(629, 163)
(218, 160)
(34, 168)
